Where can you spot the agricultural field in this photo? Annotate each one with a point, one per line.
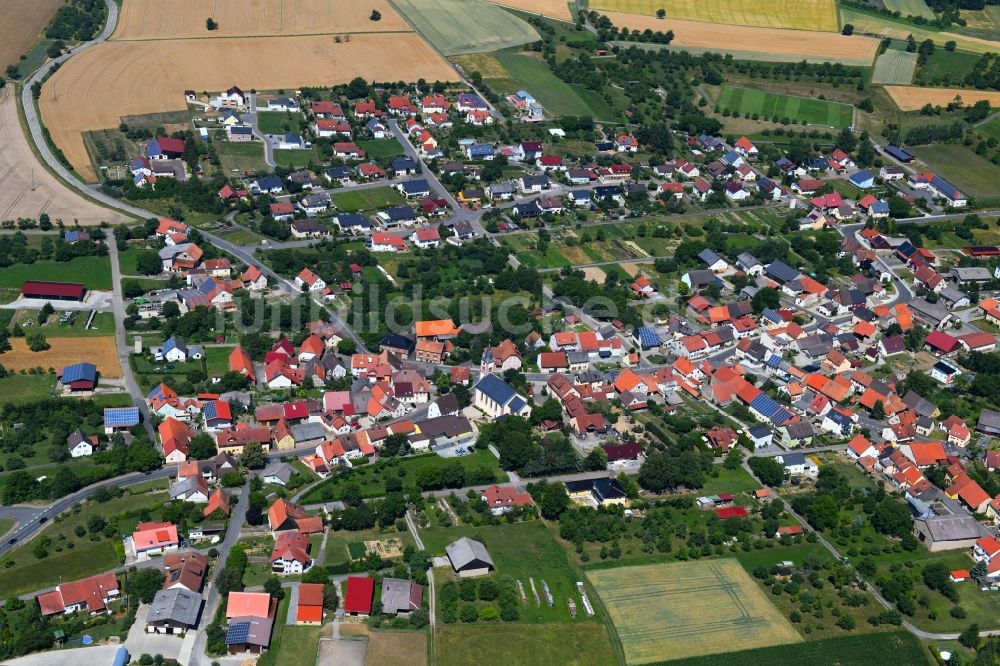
(871, 23)
(768, 43)
(522, 644)
(946, 68)
(818, 15)
(895, 67)
(154, 19)
(555, 95)
(19, 389)
(959, 165)
(64, 351)
(92, 90)
(23, 22)
(388, 648)
(910, 8)
(899, 647)
(94, 272)
(466, 26)
(689, 608)
(28, 189)
(557, 9)
(370, 199)
(773, 105)
(983, 23)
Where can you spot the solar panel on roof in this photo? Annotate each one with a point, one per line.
(238, 633)
(79, 371)
(773, 361)
(121, 416)
(648, 337)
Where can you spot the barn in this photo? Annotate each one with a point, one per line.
(53, 291)
(358, 598)
(79, 377)
(469, 558)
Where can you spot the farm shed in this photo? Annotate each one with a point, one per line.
(54, 291)
(469, 558)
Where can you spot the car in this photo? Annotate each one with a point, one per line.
(43, 520)
(11, 541)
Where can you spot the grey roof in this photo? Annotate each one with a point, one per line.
(280, 470)
(709, 257)
(989, 421)
(799, 430)
(789, 459)
(974, 273)
(175, 605)
(952, 527)
(185, 486)
(781, 271)
(928, 310)
(171, 251)
(465, 551)
(921, 405)
(400, 595)
(308, 431)
(448, 403)
(747, 260)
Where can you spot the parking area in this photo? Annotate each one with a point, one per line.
(139, 642)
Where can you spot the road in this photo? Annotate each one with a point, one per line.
(251, 119)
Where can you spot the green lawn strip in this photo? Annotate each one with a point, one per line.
(990, 130)
(574, 644)
(102, 324)
(945, 68)
(295, 158)
(241, 156)
(270, 658)
(298, 646)
(275, 122)
(773, 105)
(94, 272)
(379, 148)
(19, 389)
(370, 199)
(555, 95)
(877, 649)
(910, 8)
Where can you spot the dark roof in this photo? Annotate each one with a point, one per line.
(396, 341)
(780, 271)
(41, 288)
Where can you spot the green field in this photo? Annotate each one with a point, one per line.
(894, 67)
(820, 15)
(557, 97)
(102, 324)
(466, 26)
(279, 122)
(910, 8)
(19, 389)
(959, 165)
(379, 148)
(5, 525)
(688, 609)
(945, 68)
(370, 199)
(984, 23)
(524, 645)
(295, 158)
(94, 272)
(990, 129)
(339, 544)
(774, 106)
(871, 22)
(241, 157)
(869, 650)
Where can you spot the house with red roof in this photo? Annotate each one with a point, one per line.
(358, 596)
(940, 342)
(151, 539)
(501, 499)
(310, 608)
(290, 554)
(89, 594)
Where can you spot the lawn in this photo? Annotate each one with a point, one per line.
(5, 525)
(241, 157)
(19, 389)
(371, 478)
(102, 324)
(990, 130)
(521, 551)
(523, 644)
(899, 647)
(94, 272)
(370, 199)
(945, 68)
(455, 27)
(732, 481)
(688, 609)
(976, 177)
(70, 557)
(778, 107)
(295, 158)
(379, 148)
(291, 645)
(279, 122)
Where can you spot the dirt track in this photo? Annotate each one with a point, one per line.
(19, 168)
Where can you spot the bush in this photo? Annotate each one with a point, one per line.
(469, 613)
(467, 589)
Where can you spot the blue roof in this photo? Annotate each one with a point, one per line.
(517, 404)
(648, 337)
(771, 315)
(174, 343)
(339, 172)
(396, 341)
(416, 186)
(79, 372)
(732, 157)
(269, 182)
(781, 271)
(72, 236)
(210, 410)
(861, 178)
(709, 257)
(773, 361)
(121, 416)
(496, 389)
(373, 123)
(237, 633)
(759, 430)
(579, 195)
(207, 286)
(347, 220)
(899, 153)
(292, 137)
(788, 459)
(879, 207)
(907, 249)
(944, 187)
(400, 213)
(156, 393)
(403, 163)
(152, 148)
(771, 410)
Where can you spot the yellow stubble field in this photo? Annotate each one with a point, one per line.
(913, 98)
(65, 351)
(820, 15)
(23, 21)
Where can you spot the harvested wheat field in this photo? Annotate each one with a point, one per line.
(94, 89)
(20, 171)
(169, 19)
(23, 21)
(830, 46)
(557, 9)
(818, 15)
(387, 648)
(64, 351)
(913, 98)
(595, 274)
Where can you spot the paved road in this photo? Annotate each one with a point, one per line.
(251, 119)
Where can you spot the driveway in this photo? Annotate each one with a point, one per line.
(139, 642)
(98, 654)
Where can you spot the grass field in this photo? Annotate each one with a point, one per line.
(975, 176)
(102, 324)
(388, 648)
(378, 148)
(797, 109)
(273, 122)
(19, 389)
(371, 199)
(241, 157)
(524, 645)
(990, 130)
(819, 15)
(64, 351)
(94, 272)
(296, 646)
(887, 26)
(945, 68)
(466, 26)
(555, 95)
(895, 67)
(899, 647)
(338, 544)
(910, 8)
(295, 158)
(689, 608)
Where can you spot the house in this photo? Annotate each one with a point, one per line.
(173, 611)
(712, 261)
(944, 372)
(310, 607)
(91, 594)
(383, 242)
(190, 489)
(290, 554)
(306, 279)
(401, 596)
(500, 500)
(469, 558)
(184, 570)
(81, 444)
(283, 516)
(358, 596)
(117, 419)
(796, 464)
(253, 279)
(596, 492)
(251, 620)
(153, 539)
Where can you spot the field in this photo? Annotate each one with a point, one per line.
(899, 647)
(687, 609)
(946, 68)
(95, 272)
(885, 26)
(555, 95)
(960, 166)
(781, 42)
(912, 98)
(990, 129)
(557, 9)
(64, 351)
(524, 645)
(895, 67)
(371, 199)
(378, 148)
(910, 8)
(772, 105)
(466, 26)
(241, 157)
(984, 23)
(292, 645)
(92, 90)
(152, 19)
(387, 648)
(819, 15)
(27, 189)
(273, 122)
(20, 389)
(23, 22)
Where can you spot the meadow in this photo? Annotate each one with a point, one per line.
(274, 122)
(241, 157)
(775, 106)
(522, 644)
(370, 199)
(910, 8)
(94, 272)
(895, 67)
(689, 609)
(379, 148)
(945, 68)
(818, 15)
(959, 165)
(19, 389)
(466, 26)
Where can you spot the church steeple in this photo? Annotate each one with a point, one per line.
(487, 365)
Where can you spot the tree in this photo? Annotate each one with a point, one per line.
(395, 444)
(554, 501)
(210, 24)
(661, 13)
(766, 298)
(596, 460)
(36, 341)
(253, 456)
(347, 346)
(970, 636)
(148, 262)
(375, 15)
(202, 446)
(892, 518)
(145, 583)
(848, 29)
(45, 312)
(273, 587)
(878, 411)
(768, 470)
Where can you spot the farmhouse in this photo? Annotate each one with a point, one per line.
(90, 594)
(78, 377)
(401, 596)
(173, 611)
